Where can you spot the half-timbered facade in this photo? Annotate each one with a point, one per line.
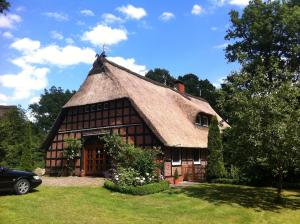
(114, 99)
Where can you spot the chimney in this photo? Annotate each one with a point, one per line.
(180, 86)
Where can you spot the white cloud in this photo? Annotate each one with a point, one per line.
(214, 28)
(69, 40)
(80, 23)
(166, 16)
(102, 34)
(8, 35)
(57, 16)
(3, 98)
(35, 99)
(197, 9)
(56, 35)
(20, 9)
(219, 81)
(130, 64)
(87, 12)
(109, 18)
(132, 12)
(26, 45)
(221, 46)
(26, 81)
(8, 21)
(33, 78)
(239, 2)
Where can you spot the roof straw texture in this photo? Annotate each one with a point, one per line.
(169, 114)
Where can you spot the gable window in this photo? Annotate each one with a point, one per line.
(196, 156)
(203, 120)
(176, 157)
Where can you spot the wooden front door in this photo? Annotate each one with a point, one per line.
(95, 160)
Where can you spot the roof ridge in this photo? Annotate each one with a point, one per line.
(150, 80)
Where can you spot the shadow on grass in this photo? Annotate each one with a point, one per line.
(249, 197)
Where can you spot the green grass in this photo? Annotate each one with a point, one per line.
(203, 203)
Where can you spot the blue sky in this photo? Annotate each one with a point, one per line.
(51, 42)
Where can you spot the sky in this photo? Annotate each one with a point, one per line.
(54, 42)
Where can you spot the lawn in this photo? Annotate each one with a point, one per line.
(203, 203)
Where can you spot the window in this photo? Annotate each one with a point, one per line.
(87, 108)
(176, 157)
(203, 120)
(196, 156)
(99, 106)
(93, 107)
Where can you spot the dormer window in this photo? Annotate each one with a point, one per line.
(203, 119)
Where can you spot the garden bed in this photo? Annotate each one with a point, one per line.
(138, 190)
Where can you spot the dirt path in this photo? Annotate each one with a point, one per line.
(72, 181)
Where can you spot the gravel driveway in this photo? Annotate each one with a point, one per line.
(72, 181)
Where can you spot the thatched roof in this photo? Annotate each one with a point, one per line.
(168, 113)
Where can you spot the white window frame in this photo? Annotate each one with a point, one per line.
(204, 118)
(198, 161)
(176, 163)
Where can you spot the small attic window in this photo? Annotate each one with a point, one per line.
(99, 106)
(203, 119)
(93, 107)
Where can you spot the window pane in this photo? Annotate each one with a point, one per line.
(196, 155)
(176, 155)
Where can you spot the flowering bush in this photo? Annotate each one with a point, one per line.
(71, 153)
(132, 165)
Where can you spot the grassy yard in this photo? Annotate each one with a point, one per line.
(202, 203)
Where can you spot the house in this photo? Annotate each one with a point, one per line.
(113, 99)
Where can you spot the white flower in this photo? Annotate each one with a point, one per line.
(147, 174)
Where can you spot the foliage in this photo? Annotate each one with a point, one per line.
(138, 190)
(19, 143)
(71, 153)
(4, 6)
(26, 156)
(131, 165)
(215, 163)
(47, 109)
(262, 100)
(176, 175)
(266, 33)
(161, 75)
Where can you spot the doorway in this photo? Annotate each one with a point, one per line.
(95, 158)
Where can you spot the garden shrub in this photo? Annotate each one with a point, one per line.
(131, 165)
(138, 190)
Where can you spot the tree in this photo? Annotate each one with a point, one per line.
(263, 99)
(13, 127)
(191, 83)
(47, 109)
(4, 6)
(27, 155)
(161, 75)
(215, 163)
(267, 33)
(18, 144)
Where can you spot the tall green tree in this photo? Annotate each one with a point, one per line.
(161, 75)
(215, 163)
(27, 154)
(263, 99)
(49, 106)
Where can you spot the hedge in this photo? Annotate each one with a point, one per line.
(138, 190)
(224, 181)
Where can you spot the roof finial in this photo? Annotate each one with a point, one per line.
(103, 54)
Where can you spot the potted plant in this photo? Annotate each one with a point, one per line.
(176, 177)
